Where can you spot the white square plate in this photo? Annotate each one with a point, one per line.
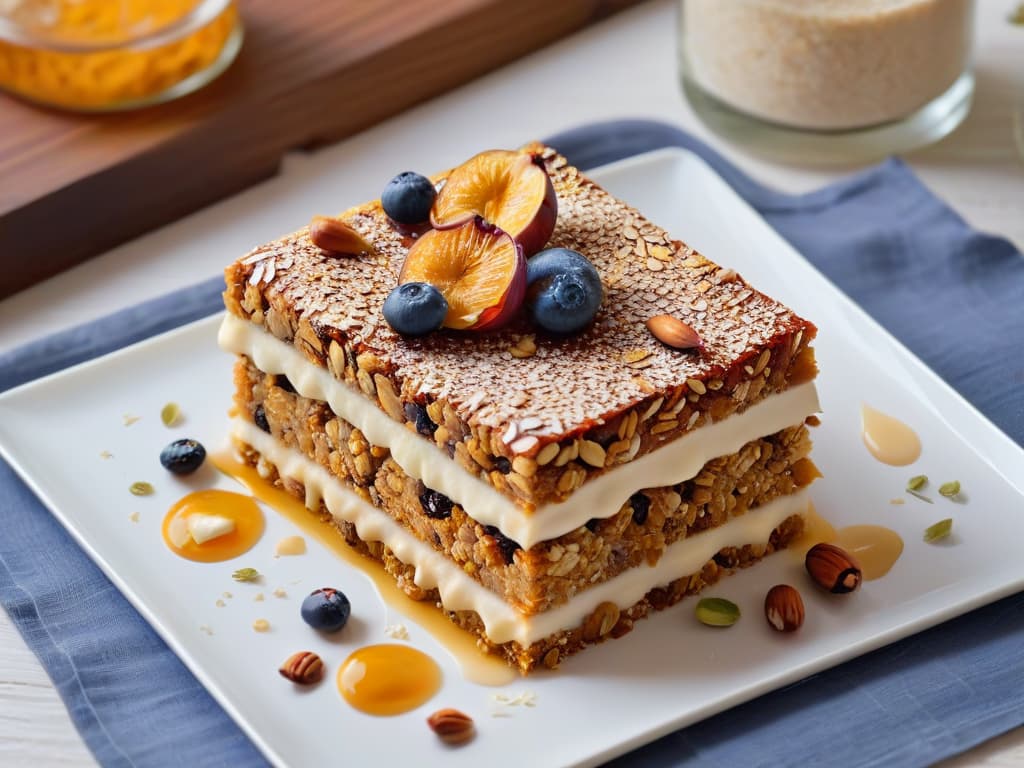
(670, 671)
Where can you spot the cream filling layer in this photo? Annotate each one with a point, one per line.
(459, 592)
(600, 497)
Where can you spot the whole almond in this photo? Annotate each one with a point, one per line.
(304, 668)
(833, 568)
(673, 332)
(451, 726)
(336, 236)
(784, 608)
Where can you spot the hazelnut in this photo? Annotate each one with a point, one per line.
(784, 608)
(833, 568)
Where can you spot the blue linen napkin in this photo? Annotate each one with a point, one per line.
(882, 237)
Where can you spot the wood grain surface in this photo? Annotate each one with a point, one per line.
(309, 72)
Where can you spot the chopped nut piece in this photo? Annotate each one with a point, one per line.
(452, 726)
(304, 668)
(170, 415)
(917, 482)
(950, 490)
(939, 530)
(141, 489)
(245, 574)
(290, 546)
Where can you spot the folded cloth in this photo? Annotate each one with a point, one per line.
(882, 237)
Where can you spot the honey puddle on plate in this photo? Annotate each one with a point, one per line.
(816, 530)
(243, 511)
(888, 439)
(477, 666)
(388, 679)
(875, 547)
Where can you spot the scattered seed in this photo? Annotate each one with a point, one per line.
(129, 419)
(261, 625)
(134, 517)
(950, 490)
(170, 414)
(917, 482)
(141, 489)
(717, 612)
(106, 455)
(939, 530)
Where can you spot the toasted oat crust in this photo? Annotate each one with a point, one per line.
(558, 410)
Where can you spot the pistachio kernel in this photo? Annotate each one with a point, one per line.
(917, 482)
(245, 574)
(141, 489)
(170, 414)
(717, 612)
(939, 530)
(950, 490)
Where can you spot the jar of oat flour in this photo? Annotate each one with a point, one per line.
(832, 79)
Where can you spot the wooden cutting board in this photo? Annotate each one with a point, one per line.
(309, 72)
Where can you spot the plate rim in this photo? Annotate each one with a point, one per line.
(658, 160)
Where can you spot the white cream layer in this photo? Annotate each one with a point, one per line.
(600, 497)
(459, 591)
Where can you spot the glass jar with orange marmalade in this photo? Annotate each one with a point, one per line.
(104, 55)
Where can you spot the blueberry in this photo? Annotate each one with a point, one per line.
(280, 380)
(415, 309)
(260, 417)
(435, 504)
(408, 197)
(506, 546)
(183, 457)
(563, 290)
(417, 414)
(327, 609)
(641, 505)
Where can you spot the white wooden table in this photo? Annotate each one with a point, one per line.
(624, 67)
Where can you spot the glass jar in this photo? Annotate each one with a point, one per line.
(105, 55)
(828, 79)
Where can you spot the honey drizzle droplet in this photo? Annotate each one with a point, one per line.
(888, 439)
(242, 510)
(388, 679)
